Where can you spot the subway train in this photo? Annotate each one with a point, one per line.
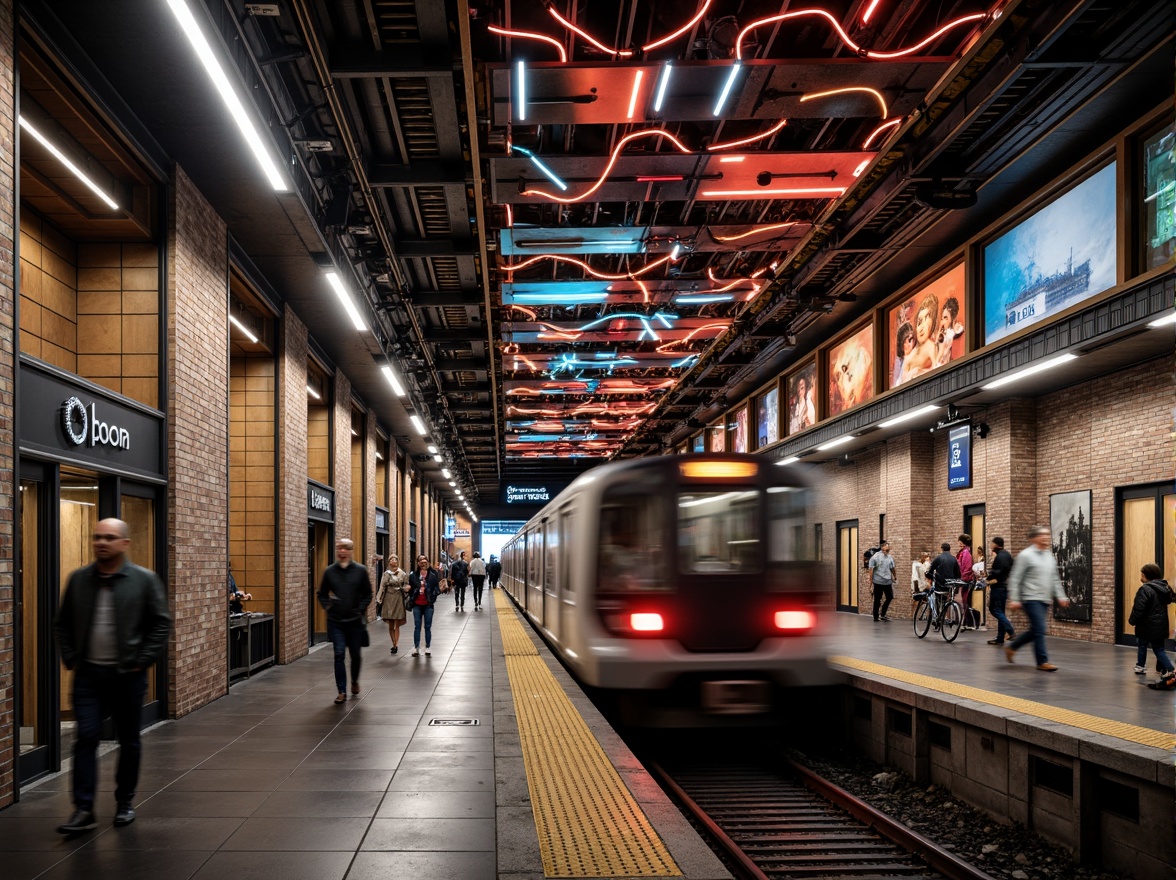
(686, 587)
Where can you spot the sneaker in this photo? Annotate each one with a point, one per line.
(996, 641)
(1009, 653)
(416, 653)
(393, 649)
(125, 815)
(877, 619)
(885, 617)
(80, 821)
(1141, 670)
(342, 698)
(428, 653)
(1047, 667)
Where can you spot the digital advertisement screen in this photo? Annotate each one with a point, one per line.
(926, 329)
(959, 457)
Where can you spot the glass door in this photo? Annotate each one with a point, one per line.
(974, 526)
(1146, 532)
(77, 506)
(137, 510)
(36, 709)
(847, 565)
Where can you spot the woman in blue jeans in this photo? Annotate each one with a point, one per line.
(424, 586)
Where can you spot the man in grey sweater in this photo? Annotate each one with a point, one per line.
(1033, 583)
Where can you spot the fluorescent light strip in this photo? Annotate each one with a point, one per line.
(556, 298)
(521, 90)
(1047, 364)
(418, 424)
(636, 91)
(907, 416)
(393, 380)
(73, 169)
(228, 95)
(242, 328)
(445, 473)
(433, 450)
(551, 175)
(792, 459)
(819, 192)
(313, 393)
(844, 438)
(727, 86)
(1165, 321)
(702, 299)
(661, 87)
(341, 292)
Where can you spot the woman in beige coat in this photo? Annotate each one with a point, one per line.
(390, 598)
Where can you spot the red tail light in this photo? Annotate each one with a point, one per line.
(646, 622)
(795, 621)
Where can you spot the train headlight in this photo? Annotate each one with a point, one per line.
(646, 622)
(795, 621)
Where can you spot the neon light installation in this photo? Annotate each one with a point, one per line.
(727, 86)
(551, 175)
(877, 131)
(527, 35)
(662, 85)
(637, 91)
(726, 145)
(626, 53)
(628, 276)
(759, 230)
(877, 94)
(816, 192)
(521, 90)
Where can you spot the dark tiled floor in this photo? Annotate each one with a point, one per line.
(276, 781)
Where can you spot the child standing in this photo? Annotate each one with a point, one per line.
(1149, 616)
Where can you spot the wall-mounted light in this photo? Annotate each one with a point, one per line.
(393, 380)
(792, 459)
(844, 438)
(907, 416)
(348, 306)
(418, 424)
(242, 328)
(213, 67)
(1033, 369)
(1165, 321)
(313, 393)
(64, 160)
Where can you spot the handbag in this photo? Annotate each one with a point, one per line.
(365, 638)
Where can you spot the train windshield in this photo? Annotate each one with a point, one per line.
(719, 532)
(790, 537)
(632, 539)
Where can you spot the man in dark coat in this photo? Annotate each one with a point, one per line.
(112, 627)
(493, 572)
(1149, 616)
(943, 568)
(998, 590)
(459, 574)
(345, 591)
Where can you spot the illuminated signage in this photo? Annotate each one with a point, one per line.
(83, 427)
(502, 526)
(320, 502)
(959, 457)
(527, 494)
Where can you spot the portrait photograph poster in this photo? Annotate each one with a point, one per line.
(851, 371)
(802, 399)
(1063, 254)
(739, 430)
(718, 438)
(1070, 535)
(698, 443)
(925, 330)
(767, 418)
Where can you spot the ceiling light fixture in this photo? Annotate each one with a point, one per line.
(637, 77)
(1047, 364)
(702, 299)
(445, 473)
(521, 91)
(433, 450)
(1165, 321)
(662, 85)
(792, 459)
(869, 11)
(527, 35)
(213, 67)
(437, 458)
(558, 258)
(313, 393)
(393, 380)
(348, 306)
(727, 86)
(758, 230)
(844, 438)
(73, 169)
(818, 192)
(242, 328)
(418, 424)
(907, 416)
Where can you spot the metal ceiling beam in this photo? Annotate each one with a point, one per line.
(426, 248)
(442, 298)
(418, 174)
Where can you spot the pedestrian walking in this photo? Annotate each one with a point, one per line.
(345, 592)
(459, 574)
(390, 599)
(1149, 616)
(478, 576)
(1033, 582)
(964, 558)
(998, 590)
(423, 589)
(112, 626)
(882, 576)
(494, 572)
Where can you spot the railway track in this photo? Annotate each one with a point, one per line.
(793, 824)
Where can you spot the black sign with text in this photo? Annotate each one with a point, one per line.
(320, 502)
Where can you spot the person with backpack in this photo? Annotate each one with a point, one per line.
(882, 575)
(1149, 616)
(459, 573)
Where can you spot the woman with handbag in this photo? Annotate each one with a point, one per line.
(423, 589)
(390, 599)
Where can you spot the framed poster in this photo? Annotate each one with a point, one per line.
(767, 418)
(802, 398)
(717, 437)
(1061, 255)
(1071, 540)
(850, 365)
(698, 442)
(925, 329)
(959, 457)
(738, 429)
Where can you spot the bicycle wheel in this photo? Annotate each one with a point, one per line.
(952, 618)
(923, 619)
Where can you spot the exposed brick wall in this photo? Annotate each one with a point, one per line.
(7, 387)
(198, 443)
(371, 441)
(341, 459)
(292, 586)
(1100, 435)
(252, 472)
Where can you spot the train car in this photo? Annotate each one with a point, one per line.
(684, 585)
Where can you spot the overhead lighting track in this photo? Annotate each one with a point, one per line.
(69, 165)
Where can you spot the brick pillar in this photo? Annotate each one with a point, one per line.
(8, 218)
(198, 447)
(341, 458)
(907, 462)
(370, 444)
(292, 586)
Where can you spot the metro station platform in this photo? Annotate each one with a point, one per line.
(425, 775)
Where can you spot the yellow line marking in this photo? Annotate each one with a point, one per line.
(1131, 732)
(589, 824)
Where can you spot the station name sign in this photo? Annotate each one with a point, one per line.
(527, 494)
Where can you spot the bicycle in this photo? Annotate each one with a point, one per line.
(946, 616)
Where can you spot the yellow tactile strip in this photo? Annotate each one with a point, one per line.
(589, 824)
(1130, 732)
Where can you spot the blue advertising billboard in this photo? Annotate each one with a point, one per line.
(959, 457)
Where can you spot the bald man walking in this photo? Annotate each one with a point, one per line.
(112, 626)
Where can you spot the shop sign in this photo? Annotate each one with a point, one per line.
(320, 501)
(959, 457)
(461, 533)
(381, 520)
(83, 427)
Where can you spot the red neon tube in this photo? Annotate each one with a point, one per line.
(527, 35)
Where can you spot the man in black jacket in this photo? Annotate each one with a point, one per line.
(345, 591)
(112, 626)
(459, 573)
(493, 572)
(998, 590)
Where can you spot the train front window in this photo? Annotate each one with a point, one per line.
(632, 540)
(718, 532)
(789, 533)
